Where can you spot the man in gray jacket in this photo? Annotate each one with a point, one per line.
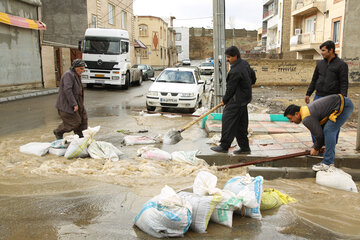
(70, 102)
(324, 118)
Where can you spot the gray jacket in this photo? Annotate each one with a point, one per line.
(69, 92)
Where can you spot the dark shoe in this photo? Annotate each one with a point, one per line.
(219, 149)
(242, 151)
(58, 135)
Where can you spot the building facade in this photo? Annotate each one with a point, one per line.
(182, 42)
(153, 32)
(20, 56)
(315, 21)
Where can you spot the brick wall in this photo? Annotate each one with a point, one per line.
(286, 32)
(283, 72)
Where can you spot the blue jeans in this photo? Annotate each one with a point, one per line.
(312, 136)
(331, 129)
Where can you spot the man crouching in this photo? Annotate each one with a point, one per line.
(324, 118)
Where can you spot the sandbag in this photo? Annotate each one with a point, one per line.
(224, 210)
(36, 148)
(153, 153)
(186, 157)
(272, 198)
(202, 209)
(104, 150)
(78, 146)
(165, 215)
(336, 178)
(60, 143)
(205, 184)
(252, 185)
(57, 151)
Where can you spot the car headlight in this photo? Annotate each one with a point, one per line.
(152, 93)
(187, 94)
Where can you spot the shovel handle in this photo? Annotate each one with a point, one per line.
(201, 117)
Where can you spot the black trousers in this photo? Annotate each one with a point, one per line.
(235, 122)
(76, 122)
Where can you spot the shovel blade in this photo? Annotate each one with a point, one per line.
(172, 137)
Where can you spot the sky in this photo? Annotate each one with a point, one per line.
(198, 13)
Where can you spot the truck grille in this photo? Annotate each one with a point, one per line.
(104, 65)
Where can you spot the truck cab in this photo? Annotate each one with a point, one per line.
(106, 53)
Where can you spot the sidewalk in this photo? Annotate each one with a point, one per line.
(25, 93)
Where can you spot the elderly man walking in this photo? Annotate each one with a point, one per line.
(70, 102)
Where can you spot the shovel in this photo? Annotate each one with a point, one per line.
(174, 136)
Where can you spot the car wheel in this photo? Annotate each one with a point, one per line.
(145, 77)
(150, 108)
(89, 85)
(191, 110)
(139, 82)
(127, 81)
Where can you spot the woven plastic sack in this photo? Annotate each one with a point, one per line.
(165, 215)
(336, 178)
(104, 150)
(36, 148)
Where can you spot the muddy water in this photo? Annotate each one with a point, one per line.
(51, 197)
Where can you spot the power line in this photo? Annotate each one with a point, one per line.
(117, 5)
(192, 18)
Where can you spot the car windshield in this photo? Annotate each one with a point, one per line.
(143, 67)
(206, 65)
(173, 76)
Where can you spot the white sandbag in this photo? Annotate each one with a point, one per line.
(187, 157)
(165, 215)
(104, 150)
(60, 143)
(224, 210)
(336, 178)
(156, 154)
(202, 209)
(134, 140)
(90, 132)
(36, 148)
(251, 190)
(78, 148)
(57, 151)
(205, 184)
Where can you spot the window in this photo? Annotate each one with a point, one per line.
(123, 19)
(310, 24)
(178, 48)
(160, 32)
(336, 32)
(178, 37)
(144, 53)
(161, 53)
(124, 47)
(93, 21)
(111, 13)
(143, 30)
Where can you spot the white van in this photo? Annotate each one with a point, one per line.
(106, 53)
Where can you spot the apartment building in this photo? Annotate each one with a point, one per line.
(315, 21)
(153, 33)
(182, 42)
(276, 25)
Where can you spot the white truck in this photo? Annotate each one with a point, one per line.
(106, 53)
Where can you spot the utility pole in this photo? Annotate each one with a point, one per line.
(358, 129)
(219, 50)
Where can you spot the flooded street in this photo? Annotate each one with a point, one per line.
(52, 197)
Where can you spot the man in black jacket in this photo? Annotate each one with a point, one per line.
(330, 75)
(238, 94)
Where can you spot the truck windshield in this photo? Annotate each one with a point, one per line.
(95, 45)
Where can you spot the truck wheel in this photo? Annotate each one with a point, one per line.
(127, 81)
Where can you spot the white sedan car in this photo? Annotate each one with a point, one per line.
(176, 88)
(206, 68)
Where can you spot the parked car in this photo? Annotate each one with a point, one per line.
(186, 61)
(147, 71)
(176, 88)
(206, 68)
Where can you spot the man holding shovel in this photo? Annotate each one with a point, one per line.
(324, 118)
(238, 93)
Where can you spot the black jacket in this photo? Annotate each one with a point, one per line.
(329, 78)
(238, 84)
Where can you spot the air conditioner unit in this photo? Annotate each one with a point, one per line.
(297, 31)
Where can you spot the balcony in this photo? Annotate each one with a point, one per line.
(306, 41)
(304, 7)
(268, 14)
(264, 32)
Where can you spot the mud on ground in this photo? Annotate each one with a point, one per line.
(275, 99)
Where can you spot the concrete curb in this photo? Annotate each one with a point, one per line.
(29, 95)
(270, 173)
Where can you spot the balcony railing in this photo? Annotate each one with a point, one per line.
(268, 13)
(298, 4)
(264, 31)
